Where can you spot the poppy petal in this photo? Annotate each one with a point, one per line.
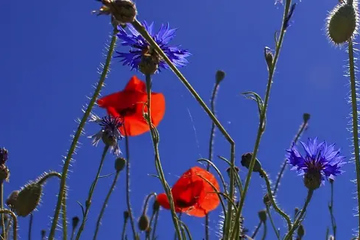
(136, 85)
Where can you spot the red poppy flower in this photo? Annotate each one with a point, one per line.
(130, 103)
(192, 194)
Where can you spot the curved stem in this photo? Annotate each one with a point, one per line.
(14, 219)
(266, 102)
(91, 192)
(128, 202)
(211, 145)
(46, 176)
(105, 204)
(155, 225)
(282, 170)
(299, 218)
(146, 203)
(256, 229)
(271, 196)
(265, 231)
(355, 123)
(159, 169)
(272, 222)
(79, 130)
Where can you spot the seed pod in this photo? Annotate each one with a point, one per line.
(143, 223)
(342, 23)
(120, 164)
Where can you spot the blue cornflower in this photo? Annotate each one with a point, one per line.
(139, 46)
(109, 132)
(320, 161)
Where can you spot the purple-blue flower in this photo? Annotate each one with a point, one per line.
(138, 45)
(320, 161)
(109, 132)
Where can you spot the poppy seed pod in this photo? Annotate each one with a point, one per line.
(143, 223)
(120, 164)
(342, 22)
(28, 199)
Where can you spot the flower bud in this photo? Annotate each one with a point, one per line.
(149, 63)
(342, 23)
(28, 199)
(156, 206)
(268, 57)
(11, 200)
(262, 215)
(75, 222)
(120, 164)
(245, 162)
(219, 76)
(3, 155)
(143, 223)
(267, 200)
(306, 117)
(4, 173)
(301, 231)
(312, 180)
(123, 11)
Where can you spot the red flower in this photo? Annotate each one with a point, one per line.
(192, 194)
(130, 103)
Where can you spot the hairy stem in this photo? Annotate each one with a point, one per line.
(77, 135)
(30, 226)
(331, 209)
(355, 123)
(272, 222)
(256, 229)
(91, 192)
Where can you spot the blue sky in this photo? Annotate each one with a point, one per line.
(50, 52)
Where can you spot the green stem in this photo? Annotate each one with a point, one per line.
(256, 229)
(158, 166)
(273, 202)
(155, 225)
(91, 192)
(2, 207)
(105, 204)
(272, 222)
(293, 143)
(124, 229)
(30, 226)
(128, 201)
(141, 29)
(77, 135)
(299, 218)
(64, 220)
(14, 219)
(263, 112)
(355, 124)
(211, 145)
(331, 209)
(265, 231)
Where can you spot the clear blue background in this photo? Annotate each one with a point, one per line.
(49, 53)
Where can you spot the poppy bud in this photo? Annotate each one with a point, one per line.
(28, 199)
(245, 162)
(156, 206)
(306, 117)
(75, 222)
(123, 11)
(262, 215)
(342, 23)
(268, 57)
(143, 223)
(120, 164)
(312, 180)
(149, 63)
(301, 231)
(296, 211)
(4, 173)
(43, 234)
(11, 200)
(219, 76)
(3, 155)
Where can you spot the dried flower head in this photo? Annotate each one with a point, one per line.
(139, 47)
(319, 162)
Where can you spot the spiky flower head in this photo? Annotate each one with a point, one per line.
(342, 22)
(140, 50)
(109, 133)
(321, 161)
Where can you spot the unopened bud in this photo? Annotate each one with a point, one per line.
(11, 200)
(75, 222)
(268, 57)
(262, 215)
(306, 117)
(219, 76)
(120, 164)
(143, 223)
(156, 206)
(123, 11)
(28, 199)
(301, 231)
(245, 162)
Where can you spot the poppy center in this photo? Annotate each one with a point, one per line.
(128, 111)
(182, 203)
